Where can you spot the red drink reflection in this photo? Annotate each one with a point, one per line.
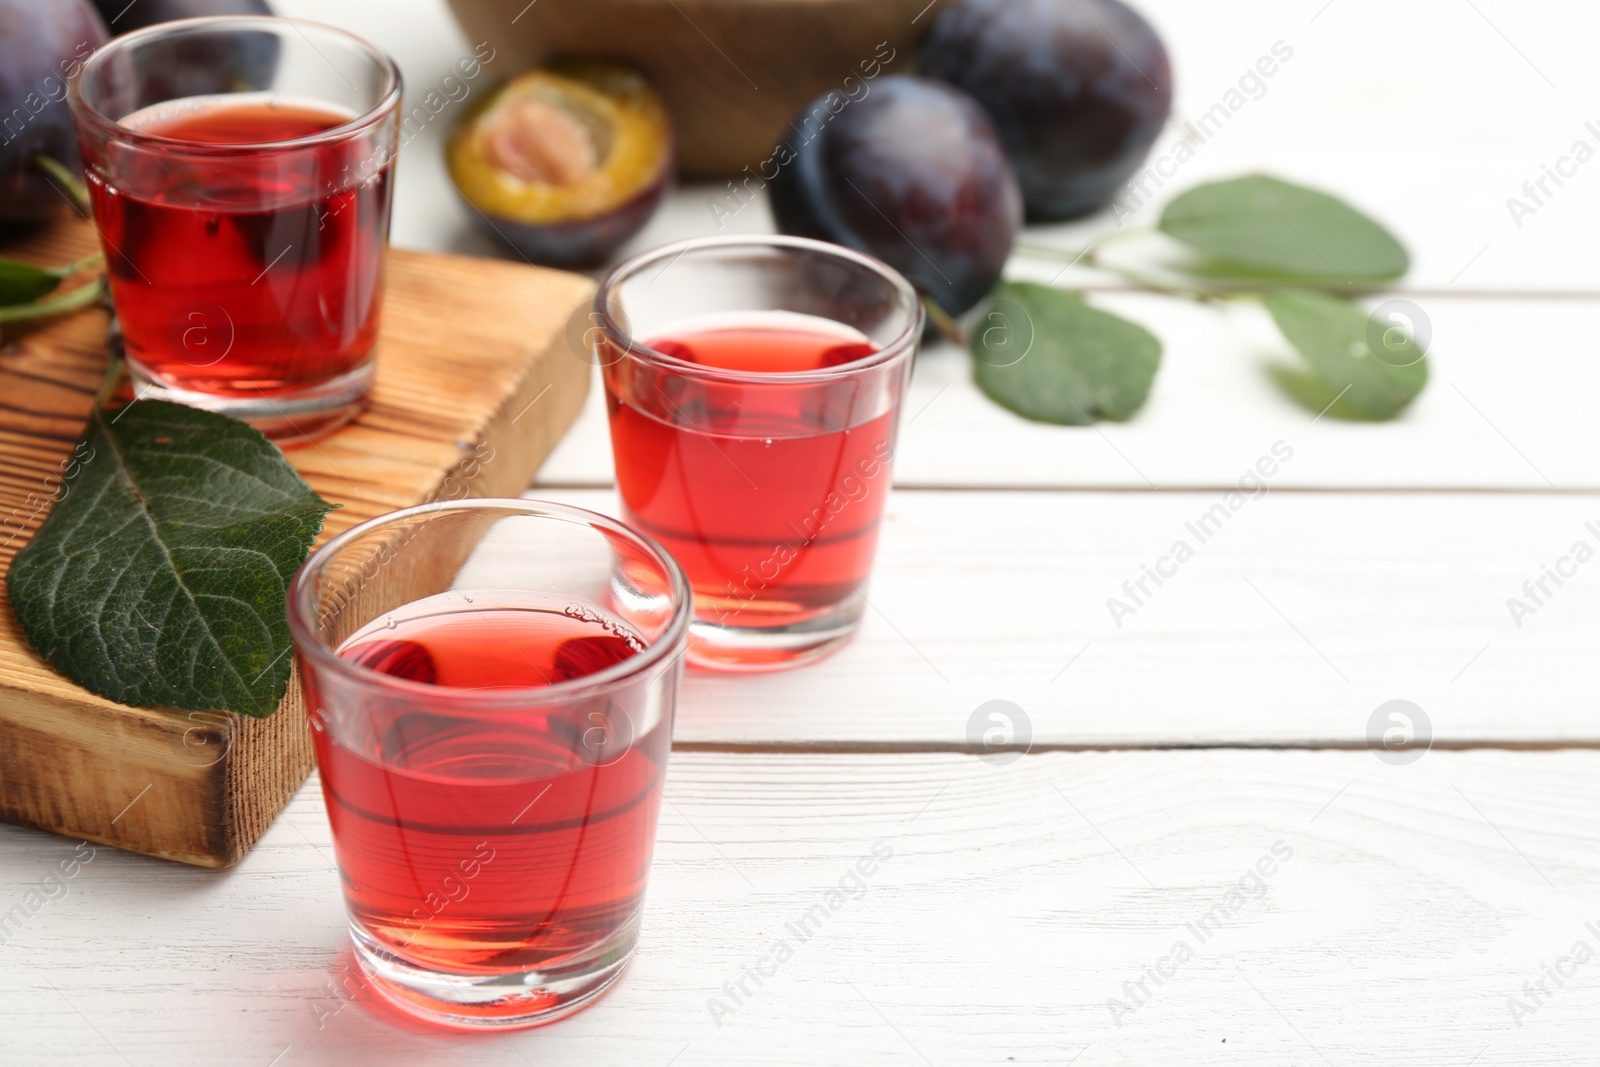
(245, 274)
(488, 843)
(769, 497)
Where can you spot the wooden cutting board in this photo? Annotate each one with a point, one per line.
(475, 385)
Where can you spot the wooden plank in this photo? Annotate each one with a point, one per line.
(474, 386)
(1017, 902)
(1507, 408)
(1298, 616)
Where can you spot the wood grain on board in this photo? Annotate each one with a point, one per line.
(475, 384)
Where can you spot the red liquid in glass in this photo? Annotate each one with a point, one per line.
(244, 274)
(485, 842)
(770, 498)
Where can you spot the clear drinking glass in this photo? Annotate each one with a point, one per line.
(239, 170)
(490, 686)
(754, 388)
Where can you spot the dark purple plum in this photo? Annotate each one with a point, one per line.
(122, 16)
(200, 67)
(1079, 90)
(42, 45)
(912, 172)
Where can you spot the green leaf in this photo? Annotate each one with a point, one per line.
(23, 283)
(1260, 227)
(1314, 394)
(161, 576)
(1048, 356)
(1336, 339)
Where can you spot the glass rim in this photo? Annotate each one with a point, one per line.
(388, 100)
(903, 343)
(672, 642)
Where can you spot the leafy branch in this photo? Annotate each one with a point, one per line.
(1298, 252)
(76, 190)
(24, 287)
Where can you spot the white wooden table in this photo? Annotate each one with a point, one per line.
(1198, 776)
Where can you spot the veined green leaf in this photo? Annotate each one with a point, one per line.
(1047, 355)
(1258, 228)
(1335, 336)
(161, 575)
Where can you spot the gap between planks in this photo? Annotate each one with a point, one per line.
(917, 748)
(1307, 490)
(1429, 294)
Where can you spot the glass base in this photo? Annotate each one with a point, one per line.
(754, 649)
(284, 418)
(507, 1000)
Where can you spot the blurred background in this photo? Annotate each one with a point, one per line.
(1430, 114)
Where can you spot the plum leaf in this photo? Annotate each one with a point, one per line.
(1048, 356)
(1263, 228)
(161, 575)
(23, 283)
(1334, 337)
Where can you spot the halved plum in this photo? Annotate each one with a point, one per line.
(566, 161)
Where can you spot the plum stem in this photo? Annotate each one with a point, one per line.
(78, 266)
(113, 378)
(82, 296)
(1090, 257)
(1157, 285)
(1122, 235)
(59, 171)
(948, 327)
(1087, 253)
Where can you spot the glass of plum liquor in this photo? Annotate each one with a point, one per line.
(754, 387)
(239, 172)
(490, 686)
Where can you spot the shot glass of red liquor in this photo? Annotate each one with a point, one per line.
(754, 388)
(490, 686)
(239, 170)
